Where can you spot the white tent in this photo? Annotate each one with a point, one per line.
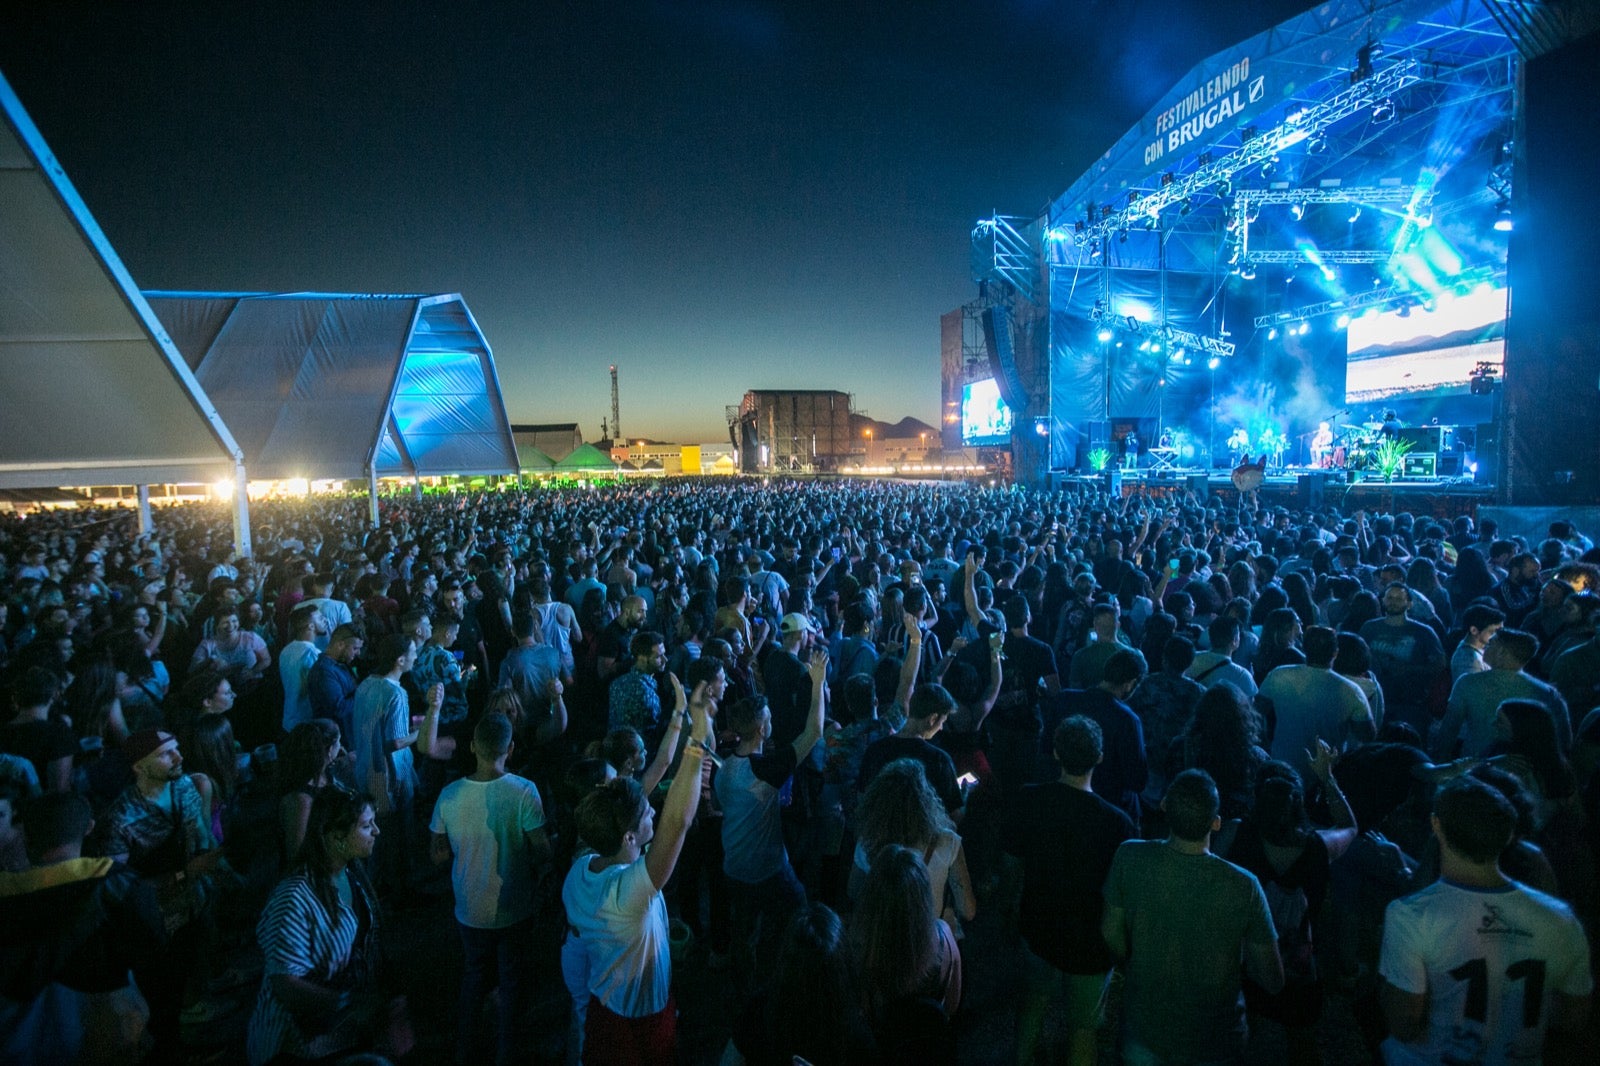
(92, 391)
(317, 385)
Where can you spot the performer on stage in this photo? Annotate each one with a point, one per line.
(1391, 426)
(1130, 451)
(1239, 445)
(1322, 445)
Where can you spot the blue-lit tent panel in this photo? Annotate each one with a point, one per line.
(326, 386)
(93, 391)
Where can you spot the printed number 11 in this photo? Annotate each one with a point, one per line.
(1476, 974)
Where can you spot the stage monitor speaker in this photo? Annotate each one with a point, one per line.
(1450, 464)
(1312, 490)
(1200, 485)
(1424, 438)
(1098, 434)
(1487, 454)
(1113, 481)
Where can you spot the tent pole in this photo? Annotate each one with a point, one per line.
(146, 525)
(372, 495)
(241, 511)
(416, 487)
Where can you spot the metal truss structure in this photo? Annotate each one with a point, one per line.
(1363, 301)
(1214, 176)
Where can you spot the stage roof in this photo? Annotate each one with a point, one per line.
(94, 391)
(318, 385)
(1402, 108)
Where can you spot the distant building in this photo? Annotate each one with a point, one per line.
(557, 439)
(793, 430)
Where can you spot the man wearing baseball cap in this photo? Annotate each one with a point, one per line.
(159, 827)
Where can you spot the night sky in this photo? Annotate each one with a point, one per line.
(716, 196)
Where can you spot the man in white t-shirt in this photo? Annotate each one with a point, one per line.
(295, 662)
(613, 902)
(1476, 967)
(335, 613)
(491, 824)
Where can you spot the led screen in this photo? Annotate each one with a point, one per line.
(985, 418)
(1421, 354)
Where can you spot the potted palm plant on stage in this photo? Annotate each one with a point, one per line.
(1390, 457)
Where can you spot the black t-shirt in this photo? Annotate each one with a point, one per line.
(940, 769)
(1123, 771)
(614, 644)
(1028, 661)
(788, 694)
(41, 743)
(1066, 839)
(1376, 779)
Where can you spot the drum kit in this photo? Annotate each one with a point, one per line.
(1355, 447)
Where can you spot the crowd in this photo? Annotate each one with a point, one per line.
(814, 736)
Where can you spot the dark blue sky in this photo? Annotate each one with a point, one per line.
(714, 195)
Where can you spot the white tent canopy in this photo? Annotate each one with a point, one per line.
(91, 389)
(317, 385)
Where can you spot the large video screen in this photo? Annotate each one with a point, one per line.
(1419, 354)
(985, 418)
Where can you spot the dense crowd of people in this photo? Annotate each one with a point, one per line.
(812, 735)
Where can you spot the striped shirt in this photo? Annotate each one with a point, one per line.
(300, 938)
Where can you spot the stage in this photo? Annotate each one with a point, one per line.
(1304, 488)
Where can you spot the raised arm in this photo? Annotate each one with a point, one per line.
(683, 798)
(819, 686)
(669, 740)
(911, 664)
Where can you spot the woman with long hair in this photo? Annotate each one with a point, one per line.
(1280, 640)
(212, 759)
(1423, 576)
(1470, 580)
(318, 936)
(1364, 607)
(1133, 595)
(1354, 662)
(1242, 580)
(1223, 740)
(903, 951)
(1272, 598)
(808, 1010)
(1532, 750)
(306, 760)
(93, 704)
(1298, 590)
(1157, 631)
(900, 808)
(1278, 844)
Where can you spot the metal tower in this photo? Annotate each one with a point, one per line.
(616, 418)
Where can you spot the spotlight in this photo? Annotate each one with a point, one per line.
(1355, 213)
(1502, 219)
(1133, 323)
(1317, 145)
(1248, 133)
(1122, 236)
(1272, 334)
(1104, 335)
(1204, 159)
(1383, 111)
(1363, 69)
(1186, 206)
(1305, 327)
(1078, 227)
(1342, 321)
(1225, 188)
(1297, 211)
(1269, 166)
(1167, 179)
(1249, 272)
(1133, 197)
(1213, 363)
(1094, 250)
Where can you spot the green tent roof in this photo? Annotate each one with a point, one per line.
(531, 458)
(586, 457)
